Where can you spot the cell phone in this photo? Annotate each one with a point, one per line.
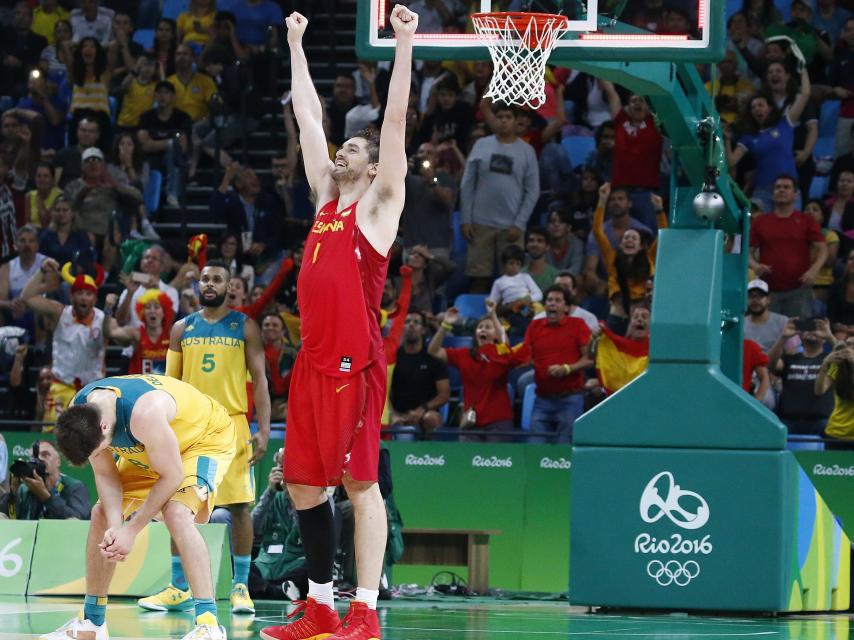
(139, 277)
(805, 325)
(286, 99)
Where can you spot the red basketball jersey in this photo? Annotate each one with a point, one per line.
(150, 355)
(339, 290)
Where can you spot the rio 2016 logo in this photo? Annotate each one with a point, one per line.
(663, 498)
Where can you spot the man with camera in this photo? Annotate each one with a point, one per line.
(39, 490)
(430, 195)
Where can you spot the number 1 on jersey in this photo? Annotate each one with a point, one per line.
(316, 251)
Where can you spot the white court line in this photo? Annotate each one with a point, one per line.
(651, 634)
(68, 607)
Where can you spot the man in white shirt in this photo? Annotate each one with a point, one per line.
(92, 21)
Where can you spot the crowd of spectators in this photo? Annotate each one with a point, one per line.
(553, 250)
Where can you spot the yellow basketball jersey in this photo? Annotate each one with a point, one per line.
(199, 422)
(214, 359)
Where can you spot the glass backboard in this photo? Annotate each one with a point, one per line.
(620, 30)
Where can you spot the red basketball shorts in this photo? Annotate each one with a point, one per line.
(333, 425)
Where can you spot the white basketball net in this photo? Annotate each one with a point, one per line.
(519, 49)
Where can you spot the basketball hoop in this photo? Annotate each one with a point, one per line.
(519, 44)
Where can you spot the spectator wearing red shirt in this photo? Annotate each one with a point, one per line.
(755, 361)
(637, 152)
(484, 369)
(559, 349)
(280, 356)
(781, 243)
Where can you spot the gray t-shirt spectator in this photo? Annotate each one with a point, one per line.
(766, 333)
(500, 185)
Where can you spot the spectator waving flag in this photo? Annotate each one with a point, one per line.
(620, 360)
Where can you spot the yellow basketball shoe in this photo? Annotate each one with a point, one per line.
(170, 599)
(240, 600)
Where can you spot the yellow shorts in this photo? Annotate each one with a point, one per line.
(238, 487)
(59, 396)
(205, 466)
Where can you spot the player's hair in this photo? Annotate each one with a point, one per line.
(220, 264)
(512, 252)
(556, 288)
(373, 143)
(78, 432)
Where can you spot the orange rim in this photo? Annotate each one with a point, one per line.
(521, 20)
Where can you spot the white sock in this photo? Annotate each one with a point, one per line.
(368, 596)
(322, 593)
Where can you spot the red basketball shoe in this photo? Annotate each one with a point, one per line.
(360, 623)
(318, 621)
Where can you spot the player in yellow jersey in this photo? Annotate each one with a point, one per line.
(214, 350)
(174, 445)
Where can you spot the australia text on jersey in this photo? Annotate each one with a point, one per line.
(218, 340)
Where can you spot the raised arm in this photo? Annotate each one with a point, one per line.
(384, 199)
(33, 293)
(309, 115)
(801, 99)
(615, 105)
(261, 392)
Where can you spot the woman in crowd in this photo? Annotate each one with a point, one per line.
(40, 200)
(57, 58)
(630, 266)
(768, 136)
(230, 253)
(127, 166)
(824, 280)
(90, 79)
(165, 44)
(782, 87)
(484, 370)
(837, 372)
(840, 203)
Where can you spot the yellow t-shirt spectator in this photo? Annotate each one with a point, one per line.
(741, 90)
(840, 424)
(195, 28)
(138, 99)
(44, 23)
(193, 97)
(33, 206)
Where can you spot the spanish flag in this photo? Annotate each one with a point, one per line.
(620, 360)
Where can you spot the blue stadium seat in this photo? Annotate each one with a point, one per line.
(151, 197)
(511, 392)
(819, 186)
(114, 109)
(174, 8)
(828, 118)
(578, 148)
(528, 406)
(733, 6)
(144, 38)
(460, 245)
(471, 305)
(824, 147)
(797, 442)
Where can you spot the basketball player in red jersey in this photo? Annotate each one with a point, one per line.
(338, 380)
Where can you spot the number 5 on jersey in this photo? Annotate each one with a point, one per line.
(208, 363)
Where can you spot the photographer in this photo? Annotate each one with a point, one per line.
(281, 559)
(430, 196)
(837, 372)
(39, 490)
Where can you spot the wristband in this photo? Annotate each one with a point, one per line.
(567, 368)
(447, 326)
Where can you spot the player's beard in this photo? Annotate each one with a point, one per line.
(212, 302)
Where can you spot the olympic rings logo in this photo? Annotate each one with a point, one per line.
(672, 572)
